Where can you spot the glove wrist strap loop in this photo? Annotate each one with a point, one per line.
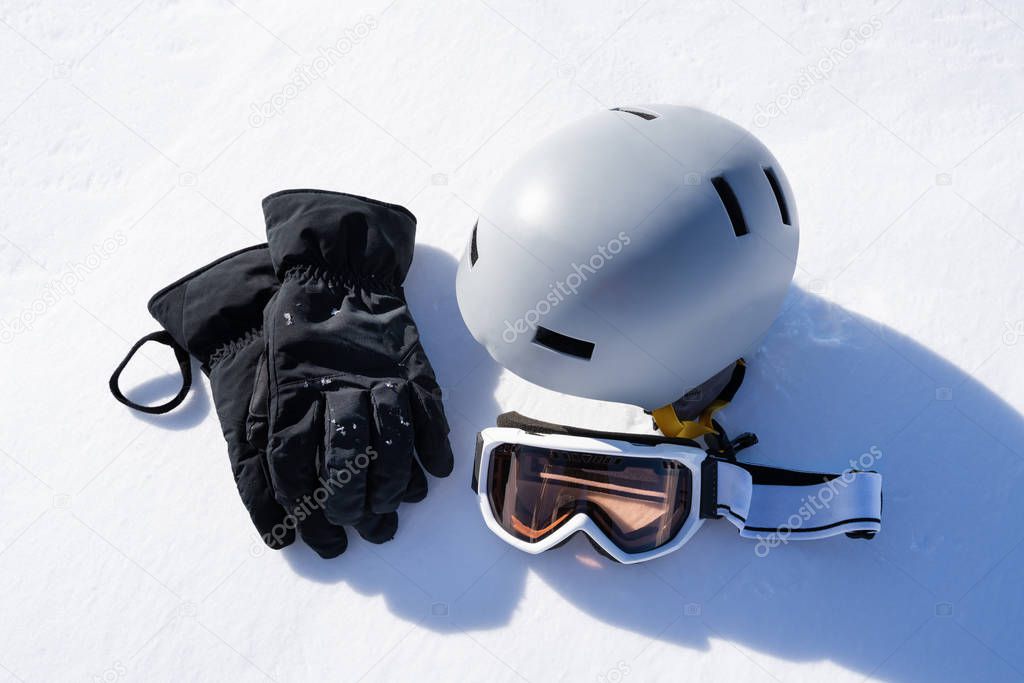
(184, 365)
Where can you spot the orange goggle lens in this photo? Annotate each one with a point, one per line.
(639, 503)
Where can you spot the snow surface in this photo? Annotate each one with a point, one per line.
(131, 152)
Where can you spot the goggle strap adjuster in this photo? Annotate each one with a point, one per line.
(709, 488)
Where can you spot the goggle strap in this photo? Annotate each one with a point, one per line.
(774, 503)
(515, 420)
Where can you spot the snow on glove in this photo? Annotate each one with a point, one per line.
(351, 392)
(216, 315)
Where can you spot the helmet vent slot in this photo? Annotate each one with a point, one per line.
(474, 255)
(732, 205)
(773, 180)
(645, 115)
(563, 344)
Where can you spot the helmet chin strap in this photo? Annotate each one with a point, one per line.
(691, 416)
(767, 502)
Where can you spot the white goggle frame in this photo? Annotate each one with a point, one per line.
(762, 502)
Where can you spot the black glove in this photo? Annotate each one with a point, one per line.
(216, 315)
(351, 391)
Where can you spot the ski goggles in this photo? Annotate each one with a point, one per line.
(637, 497)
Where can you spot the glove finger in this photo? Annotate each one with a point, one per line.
(295, 441)
(417, 488)
(253, 487)
(431, 428)
(378, 528)
(326, 539)
(347, 454)
(231, 381)
(392, 440)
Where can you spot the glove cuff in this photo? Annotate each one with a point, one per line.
(352, 238)
(214, 309)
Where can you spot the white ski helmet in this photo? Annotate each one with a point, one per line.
(632, 255)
